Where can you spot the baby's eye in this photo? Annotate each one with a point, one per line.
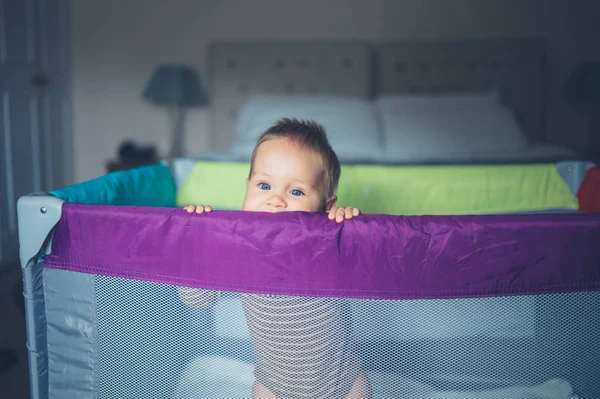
(264, 186)
(296, 193)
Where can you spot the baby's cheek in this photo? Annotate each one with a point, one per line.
(247, 206)
(314, 205)
(252, 203)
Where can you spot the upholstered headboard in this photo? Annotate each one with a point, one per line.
(239, 70)
(515, 67)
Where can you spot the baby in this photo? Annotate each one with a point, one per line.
(303, 345)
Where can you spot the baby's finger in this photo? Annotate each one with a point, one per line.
(200, 209)
(339, 215)
(348, 213)
(190, 208)
(355, 211)
(208, 208)
(331, 213)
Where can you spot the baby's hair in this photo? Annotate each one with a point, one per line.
(311, 135)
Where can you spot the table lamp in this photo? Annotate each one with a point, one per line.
(177, 87)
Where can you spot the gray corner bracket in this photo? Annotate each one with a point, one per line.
(573, 173)
(38, 213)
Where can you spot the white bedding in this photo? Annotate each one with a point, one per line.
(400, 129)
(532, 153)
(548, 151)
(218, 377)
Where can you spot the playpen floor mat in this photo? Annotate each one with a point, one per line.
(222, 377)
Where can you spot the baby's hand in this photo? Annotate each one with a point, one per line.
(198, 208)
(339, 214)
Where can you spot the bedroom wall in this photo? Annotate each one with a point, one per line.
(118, 42)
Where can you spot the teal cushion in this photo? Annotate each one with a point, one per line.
(149, 185)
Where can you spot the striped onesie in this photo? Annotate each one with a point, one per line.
(303, 344)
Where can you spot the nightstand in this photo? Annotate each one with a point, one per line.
(112, 166)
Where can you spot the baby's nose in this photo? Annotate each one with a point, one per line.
(276, 201)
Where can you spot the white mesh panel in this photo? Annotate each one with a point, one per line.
(152, 345)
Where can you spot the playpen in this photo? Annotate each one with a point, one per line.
(441, 306)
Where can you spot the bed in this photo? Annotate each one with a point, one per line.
(479, 279)
(397, 102)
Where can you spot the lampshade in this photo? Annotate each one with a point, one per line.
(583, 86)
(175, 85)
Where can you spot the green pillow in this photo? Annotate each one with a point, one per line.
(406, 190)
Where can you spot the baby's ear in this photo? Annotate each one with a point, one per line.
(330, 203)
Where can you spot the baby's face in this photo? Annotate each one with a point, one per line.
(285, 177)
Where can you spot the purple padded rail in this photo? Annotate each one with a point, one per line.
(372, 256)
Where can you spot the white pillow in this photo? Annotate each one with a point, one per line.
(451, 134)
(350, 123)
